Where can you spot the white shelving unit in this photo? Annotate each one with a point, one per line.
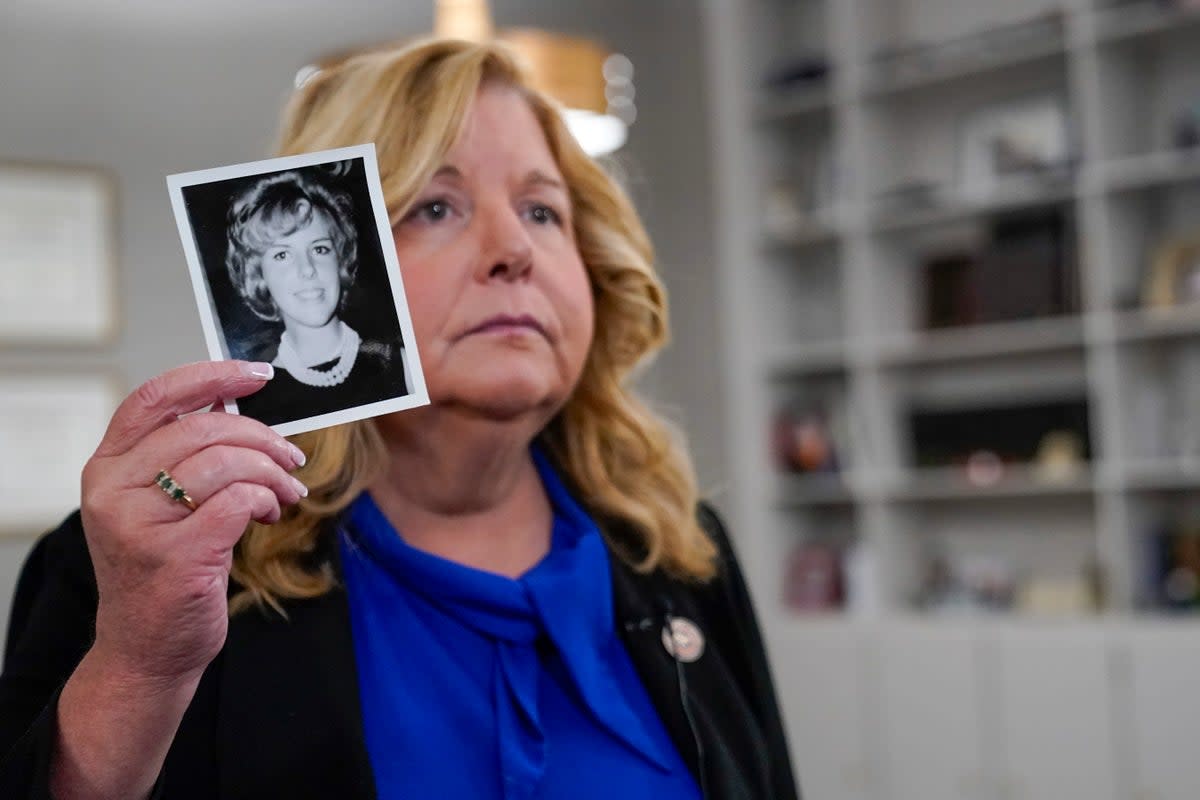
(831, 308)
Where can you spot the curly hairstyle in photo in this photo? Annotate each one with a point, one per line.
(627, 465)
(279, 205)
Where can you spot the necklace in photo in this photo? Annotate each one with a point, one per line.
(290, 360)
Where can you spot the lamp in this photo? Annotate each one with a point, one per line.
(594, 86)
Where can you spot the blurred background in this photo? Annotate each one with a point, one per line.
(935, 279)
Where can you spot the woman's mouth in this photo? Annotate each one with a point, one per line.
(508, 322)
(310, 294)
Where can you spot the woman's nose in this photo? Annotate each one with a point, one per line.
(508, 250)
(305, 266)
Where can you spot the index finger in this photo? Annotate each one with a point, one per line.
(165, 397)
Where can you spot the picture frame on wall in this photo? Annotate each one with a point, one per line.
(1024, 137)
(50, 424)
(58, 264)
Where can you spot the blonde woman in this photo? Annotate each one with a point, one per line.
(510, 593)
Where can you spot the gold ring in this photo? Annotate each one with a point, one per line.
(173, 490)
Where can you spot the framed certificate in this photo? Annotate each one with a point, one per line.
(50, 424)
(58, 262)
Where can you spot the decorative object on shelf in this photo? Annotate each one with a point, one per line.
(1066, 595)
(1185, 131)
(1174, 566)
(806, 195)
(814, 581)
(968, 583)
(983, 468)
(1026, 137)
(58, 264)
(904, 63)
(1174, 275)
(1059, 457)
(802, 72)
(862, 579)
(804, 441)
(1012, 434)
(973, 287)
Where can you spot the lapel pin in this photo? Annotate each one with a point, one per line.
(683, 640)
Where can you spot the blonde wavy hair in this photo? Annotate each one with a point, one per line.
(624, 462)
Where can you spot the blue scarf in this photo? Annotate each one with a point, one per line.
(475, 685)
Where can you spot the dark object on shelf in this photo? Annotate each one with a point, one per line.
(1013, 433)
(801, 72)
(1174, 574)
(1186, 129)
(815, 579)
(1026, 271)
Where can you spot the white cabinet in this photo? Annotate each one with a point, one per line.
(1053, 708)
(930, 714)
(1164, 685)
(824, 693)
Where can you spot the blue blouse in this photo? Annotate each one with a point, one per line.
(475, 685)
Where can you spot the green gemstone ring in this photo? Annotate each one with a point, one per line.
(173, 490)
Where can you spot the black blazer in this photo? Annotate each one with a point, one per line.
(277, 712)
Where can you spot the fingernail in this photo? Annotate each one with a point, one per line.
(257, 369)
(300, 487)
(297, 455)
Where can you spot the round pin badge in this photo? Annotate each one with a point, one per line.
(683, 640)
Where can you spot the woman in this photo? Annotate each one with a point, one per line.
(508, 593)
(292, 257)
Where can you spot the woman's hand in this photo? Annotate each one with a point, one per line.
(162, 569)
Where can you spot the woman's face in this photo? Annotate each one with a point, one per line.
(301, 273)
(500, 299)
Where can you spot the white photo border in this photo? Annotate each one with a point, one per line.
(417, 395)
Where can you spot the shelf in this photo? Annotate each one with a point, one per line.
(801, 491)
(1152, 325)
(1166, 474)
(951, 485)
(1011, 194)
(789, 106)
(799, 359)
(964, 58)
(1146, 171)
(1141, 20)
(983, 341)
(805, 233)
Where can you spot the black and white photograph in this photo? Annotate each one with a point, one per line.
(291, 264)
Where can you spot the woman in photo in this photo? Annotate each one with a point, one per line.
(292, 257)
(511, 593)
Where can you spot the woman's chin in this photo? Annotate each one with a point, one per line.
(504, 397)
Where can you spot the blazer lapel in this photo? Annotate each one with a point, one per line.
(289, 721)
(640, 624)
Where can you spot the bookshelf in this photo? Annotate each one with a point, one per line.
(825, 305)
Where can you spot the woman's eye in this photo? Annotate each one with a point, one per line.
(279, 255)
(434, 210)
(322, 249)
(543, 215)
